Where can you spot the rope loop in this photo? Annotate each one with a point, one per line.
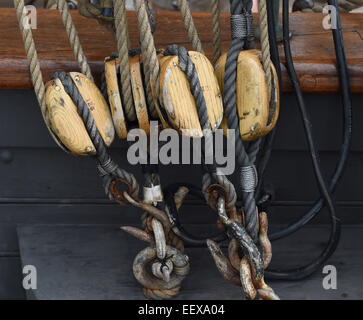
(109, 171)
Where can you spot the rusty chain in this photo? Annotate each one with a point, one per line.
(248, 271)
(164, 257)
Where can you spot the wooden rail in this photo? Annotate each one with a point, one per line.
(312, 46)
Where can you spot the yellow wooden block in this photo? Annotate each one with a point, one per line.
(178, 100)
(163, 117)
(97, 105)
(139, 94)
(256, 111)
(114, 97)
(65, 121)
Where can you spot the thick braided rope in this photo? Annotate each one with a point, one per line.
(108, 170)
(73, 38)
(265, 44)
(251, 218)
(123, 54)
(32, 56)
(216, 31)
(150, 61)
(190, 26)
(187, 66)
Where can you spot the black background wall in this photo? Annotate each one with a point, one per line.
(39, 183)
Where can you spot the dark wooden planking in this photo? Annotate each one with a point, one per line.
(21, 124)
(195, 218)
(67, 257)
(52, 174)
(312, 46)
(11, 279)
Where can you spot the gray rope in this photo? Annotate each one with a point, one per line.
(216, 31)
(122, 40)
(73, 38)
(190, 26)
(34, 66)
(187, 66)
(150, 61)
(107, 168)
(239, 8)
(265, 44)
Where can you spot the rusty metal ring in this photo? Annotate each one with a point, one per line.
(141, 269)
(215, 191)
(172, 210)
(116, 194)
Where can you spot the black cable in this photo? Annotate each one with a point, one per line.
(347, 131)
(302, 272)
(275, 58)
(177, 227)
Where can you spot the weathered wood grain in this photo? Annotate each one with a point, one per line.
(312, 46)
(114, 97)
(178, 100)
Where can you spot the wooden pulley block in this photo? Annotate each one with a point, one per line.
(115, 96)
(64, 120)
(177, 99)
(257, 108)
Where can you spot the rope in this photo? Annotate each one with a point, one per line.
(73, 38)
(107, 169)
(216, 31)
(265, 44)
(122, 39)
(190, 26)
(239, 12)
(35, 72)
(187, 66)
(50, 4)
(150, 61)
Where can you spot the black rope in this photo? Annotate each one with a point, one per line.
(347, 133)
(305, 271)
(266, 197)
(240, 16)
(187, 66)
(108, 170)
